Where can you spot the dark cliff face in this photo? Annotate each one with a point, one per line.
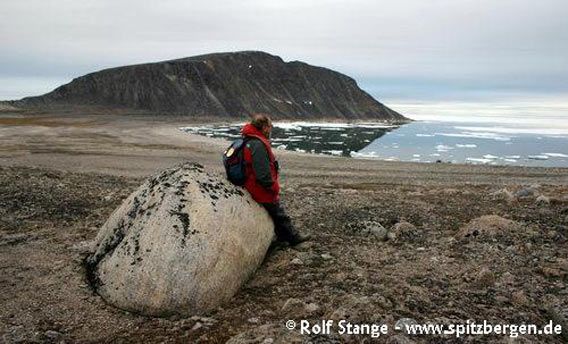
(225, 85)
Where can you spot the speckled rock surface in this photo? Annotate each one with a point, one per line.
(184, 243)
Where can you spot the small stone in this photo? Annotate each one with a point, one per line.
(403, 231)
(504, 195)
(403, 323)
(526, 192)
(197, 326)
(507, 278)
(379, 232)
(542, 200)
(296, 261)
(83, 247)
(552, 272)
(519, 298)
(399, 339)
(268, 334)
(485, 278)
(326, 256)
(293, 307)
(312, 307)
(52, 334)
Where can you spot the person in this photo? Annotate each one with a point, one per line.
(261, 170)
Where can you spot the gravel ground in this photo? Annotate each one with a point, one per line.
(390, 241)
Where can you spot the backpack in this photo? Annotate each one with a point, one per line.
(234, 162)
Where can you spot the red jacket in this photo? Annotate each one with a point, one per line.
(258, 192)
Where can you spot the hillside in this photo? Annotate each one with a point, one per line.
(222, 85)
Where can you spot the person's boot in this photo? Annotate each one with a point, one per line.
(299, 238)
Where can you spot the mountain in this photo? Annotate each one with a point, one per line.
(224, 85)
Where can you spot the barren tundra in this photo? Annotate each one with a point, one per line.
(437, 243)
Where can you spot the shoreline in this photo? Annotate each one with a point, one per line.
(87, 143)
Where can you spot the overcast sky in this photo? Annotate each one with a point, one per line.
(403, 50)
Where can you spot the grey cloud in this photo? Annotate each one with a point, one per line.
(516, 44)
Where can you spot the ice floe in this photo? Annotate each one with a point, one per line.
(478, 160)
(556, 155)
(538, 157)
(477, 135)
(516, 130)
(443, 148)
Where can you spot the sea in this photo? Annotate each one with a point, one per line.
(431, 140)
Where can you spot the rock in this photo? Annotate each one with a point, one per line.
(558, 316)
(542, 200)
(295, 308)
(183, 243)
(526, 192)
(507, 279)
(269, 333)
(403, 232)
(553, 272)
(519, 298)
(369, 228)
(399, 339)
(312, 308)
(52, 335)
(326, 256)
(363, 309)
(402, 324)
(487, 226)
(504, 195)
(83, 247)
(516, 340)
(485, 279)
(16, 334)
(304, 246)
(379, 232)
(296, 261)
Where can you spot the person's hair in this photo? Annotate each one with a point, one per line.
(260, 120)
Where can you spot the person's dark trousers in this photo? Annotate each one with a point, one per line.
(283, 226)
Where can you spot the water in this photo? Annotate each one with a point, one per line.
(420, 141)
(339, 139)
(481, 143)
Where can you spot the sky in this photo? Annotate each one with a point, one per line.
(405, 52)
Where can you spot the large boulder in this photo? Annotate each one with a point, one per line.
(183, 243)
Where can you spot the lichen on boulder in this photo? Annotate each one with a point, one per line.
(183, 243)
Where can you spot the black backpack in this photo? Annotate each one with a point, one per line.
(234, 162)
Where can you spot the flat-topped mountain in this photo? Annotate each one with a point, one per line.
(222, 85)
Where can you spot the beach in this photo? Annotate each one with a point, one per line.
(62, 175)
